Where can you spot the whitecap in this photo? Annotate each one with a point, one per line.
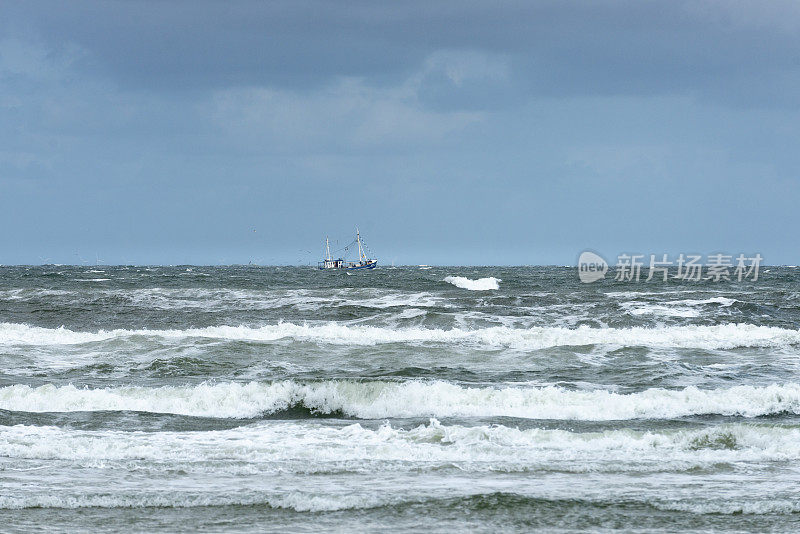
(481, 284)
(383, 399)
(726, 336)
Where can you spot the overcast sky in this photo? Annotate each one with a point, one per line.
(449, 132)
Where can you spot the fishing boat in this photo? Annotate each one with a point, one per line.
(341, 264)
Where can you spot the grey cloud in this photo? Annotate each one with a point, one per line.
(727, 51)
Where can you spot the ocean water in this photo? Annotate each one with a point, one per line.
(282, 398)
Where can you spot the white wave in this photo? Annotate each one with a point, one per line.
(251, 458)
(638, 294)
(722, 301)
(381, 399)
(169, 498)
(26, 294)
(728, 507)
(268, 464)
(309, 501)
(314, 500)
(293, 445)
(637, 308)
(410, 313)
(481, 284)
(314, 449)
(237, 299)
(686, 308)
(727, 336)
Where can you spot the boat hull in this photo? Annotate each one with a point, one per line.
(370, 265)
(360, 267)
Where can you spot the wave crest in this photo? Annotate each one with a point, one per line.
(293, 444)
(481, 284)
(382, 399)
(727, 336)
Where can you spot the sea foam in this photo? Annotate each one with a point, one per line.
(385, 399)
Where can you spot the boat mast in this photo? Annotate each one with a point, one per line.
(361, 256)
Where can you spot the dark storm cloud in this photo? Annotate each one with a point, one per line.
(723, 51)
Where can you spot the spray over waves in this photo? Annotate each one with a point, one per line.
(727, 336)
(481, 284)
(384, 399)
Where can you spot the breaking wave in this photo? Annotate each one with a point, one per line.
(263, 450)
(307, 501)
(726, 336)
(384, 399)
(294, 444)
(232, 299)
(481, 284)
(296, 500)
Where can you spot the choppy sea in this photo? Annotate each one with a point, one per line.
(451, 398)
